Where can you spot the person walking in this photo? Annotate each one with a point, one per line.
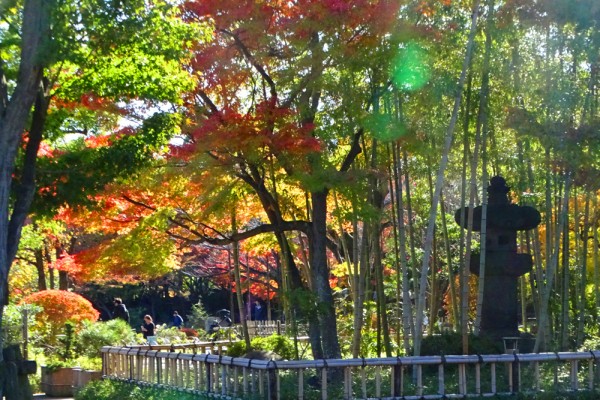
(177, 320)
(148, 328)
(120, 310)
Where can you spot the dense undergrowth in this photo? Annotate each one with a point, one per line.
(112, 390)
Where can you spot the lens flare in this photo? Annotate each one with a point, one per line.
(411, 68)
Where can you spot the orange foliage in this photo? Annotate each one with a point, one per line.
(60, 306)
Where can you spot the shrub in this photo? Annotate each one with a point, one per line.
(109, 390)
(197, 316)
(60, 306)
(94, 335)
(451, 343)
(281, 345)
(172, 335)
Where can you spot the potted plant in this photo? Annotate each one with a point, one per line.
(57, 374)
(57, 378)
(90, 339)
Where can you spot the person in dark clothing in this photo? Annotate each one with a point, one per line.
(259, 311)
(177, 320)
(148, 330)
(120, 310)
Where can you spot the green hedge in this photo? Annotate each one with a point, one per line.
(113, 390)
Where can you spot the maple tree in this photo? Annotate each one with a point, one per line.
(58, 307)
(270, 89)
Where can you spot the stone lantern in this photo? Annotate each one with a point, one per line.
(503, 265)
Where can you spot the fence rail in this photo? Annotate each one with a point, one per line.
(432, 377)
(212, 347)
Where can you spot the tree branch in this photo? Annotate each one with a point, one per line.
(355, 150)
(244, 50)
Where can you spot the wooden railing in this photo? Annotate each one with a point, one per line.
(265, 328)
(212, 347)
(431, 377)
(269, 327)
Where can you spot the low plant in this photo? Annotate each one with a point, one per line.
(94, 335)
(280, 345)
(170, 335)
(197, 316)
(165, 335)
(109, 390)
(451, 343)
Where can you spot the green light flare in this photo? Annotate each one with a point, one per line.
(410, 69)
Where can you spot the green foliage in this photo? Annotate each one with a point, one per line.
(131, 50)
(67, 350)
(121, 160)
(109, 390)
(591, 343)
(152, 255)
(12, 323)
(197, 316)
(94, 335)
(278, 344)
(281, 345)
(411, 69)
(303, 299)
(54, 364)
(164, 335)
(451, 343)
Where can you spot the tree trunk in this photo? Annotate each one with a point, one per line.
(15, 108)
(596, 261)
(320, 270)
(482, 123)
(543, 336)
(451, 275)
(41, 271)
(566, 283)
(361, 282)
(406, 302)
(238, 284)
(413, 252)
(581, 292)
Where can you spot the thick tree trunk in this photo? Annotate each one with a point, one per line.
(320, 269)
(41, 271)
(293, 276)
(14, 112)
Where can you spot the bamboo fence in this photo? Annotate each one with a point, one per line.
(431, 377)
